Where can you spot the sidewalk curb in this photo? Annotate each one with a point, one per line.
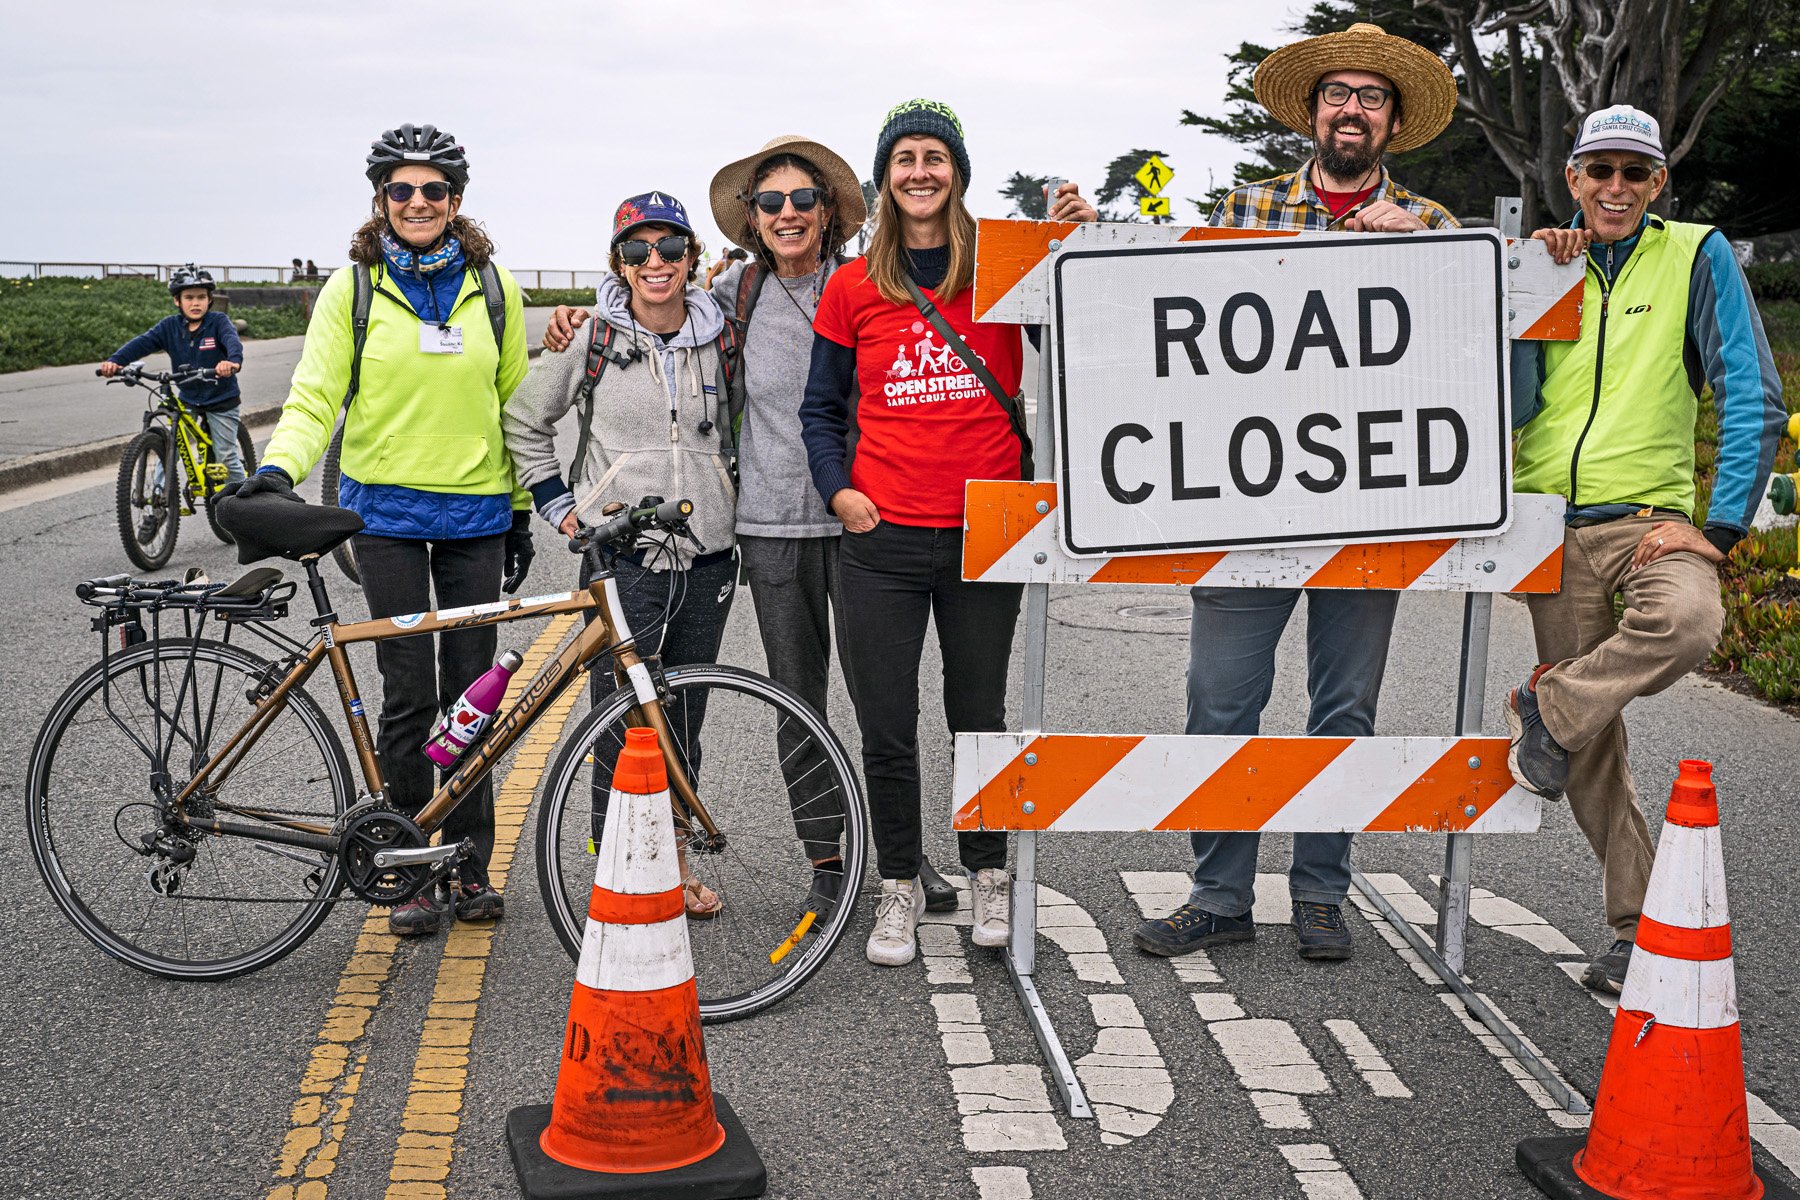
(48, 465)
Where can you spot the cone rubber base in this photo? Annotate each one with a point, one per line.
(1549, 1162)
(733, 1170)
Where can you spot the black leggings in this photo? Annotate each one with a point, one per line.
(895, 578)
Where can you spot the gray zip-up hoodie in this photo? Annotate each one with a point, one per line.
(646, 437)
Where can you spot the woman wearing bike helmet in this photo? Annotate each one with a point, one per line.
(424, 460)
(653, 420)
(793, 205)
(927, 424)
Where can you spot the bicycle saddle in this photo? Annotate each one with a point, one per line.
(271, 526)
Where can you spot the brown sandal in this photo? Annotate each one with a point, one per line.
(701, 902)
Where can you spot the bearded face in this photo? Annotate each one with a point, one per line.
(1350, 137)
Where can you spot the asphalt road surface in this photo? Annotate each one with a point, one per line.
(364, 1067)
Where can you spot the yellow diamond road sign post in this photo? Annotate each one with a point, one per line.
(1153, 206)
(1154, 175)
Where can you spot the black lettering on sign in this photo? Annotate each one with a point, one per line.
(1458, 431)
(1179, 488)
(1309, 426)
(1235, 456)
(1366, 299)
(1265, 343)
(1109, 468)
(1316, 329)
(1368, 449)
(1188, 335)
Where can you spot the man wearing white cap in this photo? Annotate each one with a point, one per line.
(1358, 95)
(1608, 421)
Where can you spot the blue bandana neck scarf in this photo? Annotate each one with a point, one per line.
(406, 260)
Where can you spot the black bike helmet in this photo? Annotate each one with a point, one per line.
(425, 144)
(189, 276)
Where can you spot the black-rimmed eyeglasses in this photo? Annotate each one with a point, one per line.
(1600, 172)
(673, 248)
(1372, 98)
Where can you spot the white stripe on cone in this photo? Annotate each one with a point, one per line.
(1682, 993)
(1688, 854)
(635, 958)
(637, 849)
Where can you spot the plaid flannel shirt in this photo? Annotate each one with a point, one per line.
(1289, 202)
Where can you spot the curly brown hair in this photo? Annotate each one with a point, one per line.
(365, 243)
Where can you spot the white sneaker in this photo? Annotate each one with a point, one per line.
(991, 888)
(894, 941)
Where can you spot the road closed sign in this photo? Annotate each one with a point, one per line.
(1295, 391)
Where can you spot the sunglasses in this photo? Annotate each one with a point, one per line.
(1600, 172)
(437, 191)
(673, 248)
(1372, 98)
(805, 200)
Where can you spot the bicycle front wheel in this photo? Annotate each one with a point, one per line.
(149, 511)
(111, 847)
(781, 790)
(247, 456)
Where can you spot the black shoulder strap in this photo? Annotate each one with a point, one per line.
(362, 298)
(731, 394)
(749, 289)
(495, 295)
(600, 339)
(1015, 412)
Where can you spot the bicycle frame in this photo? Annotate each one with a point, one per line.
(608, 632)
(192, 441)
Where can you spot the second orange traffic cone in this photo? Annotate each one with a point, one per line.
(1670, 1120)
(634, 1112)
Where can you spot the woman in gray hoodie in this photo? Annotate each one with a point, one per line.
(653, 429)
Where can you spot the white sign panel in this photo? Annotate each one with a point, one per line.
(1312, 390)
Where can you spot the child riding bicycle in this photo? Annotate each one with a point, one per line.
(195, 336)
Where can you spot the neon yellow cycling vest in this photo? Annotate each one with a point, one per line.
(1617, 426)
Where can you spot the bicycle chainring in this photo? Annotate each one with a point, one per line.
(367, 834)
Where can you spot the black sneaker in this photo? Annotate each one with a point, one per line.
(940, 893)
(146, 530)
(1607, 973)
(1321, 930)
(476, 900)
(1190, 928)
(1537, 762)
(419, 917)
(827, 888)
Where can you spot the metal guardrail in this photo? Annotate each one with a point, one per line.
(237, 273)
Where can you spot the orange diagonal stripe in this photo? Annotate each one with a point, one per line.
(1546, 576)
(1439, 798)
(1006, 252)
(1067, 768)
(1560, 323)
(1391, 566)
(997, 514)
(1255, 783)
(1157, 568)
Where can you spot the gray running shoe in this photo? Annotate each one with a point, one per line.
(1321, 930)
(1607, 973)
(1536, 760)
(1190, 928)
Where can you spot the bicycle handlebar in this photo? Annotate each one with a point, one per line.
(653, 512)
(140, 376)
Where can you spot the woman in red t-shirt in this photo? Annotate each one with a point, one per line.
(925, 425)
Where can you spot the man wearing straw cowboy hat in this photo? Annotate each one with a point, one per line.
(1358, 94)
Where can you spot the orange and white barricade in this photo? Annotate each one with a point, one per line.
(634, 1112)
(1038, 781)
(1671, 1120)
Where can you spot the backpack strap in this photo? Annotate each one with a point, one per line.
(1010, 405)
(600, 340)
(749, 289)
(495, 295)
(730, 394)
(362, 298)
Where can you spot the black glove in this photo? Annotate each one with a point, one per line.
(519, 552)
(272, 481)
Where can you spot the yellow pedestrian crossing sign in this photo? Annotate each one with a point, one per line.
(1154, 176)
(1153, 206)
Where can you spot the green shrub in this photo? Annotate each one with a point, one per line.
(1774, 281)
(548, 297)
(55, 321)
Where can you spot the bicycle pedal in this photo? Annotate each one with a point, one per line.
(217, 472)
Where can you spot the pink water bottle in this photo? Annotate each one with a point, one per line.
(463, 725)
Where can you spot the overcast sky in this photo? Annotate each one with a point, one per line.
(235, 133)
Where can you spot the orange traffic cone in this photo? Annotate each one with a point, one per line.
(634, 1112)
(1670, 1121)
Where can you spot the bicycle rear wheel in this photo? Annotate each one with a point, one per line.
(92, 801)
(246, 455)
(781, 790)
(329, 475)
(149, 509)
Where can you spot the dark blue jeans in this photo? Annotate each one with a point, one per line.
(895, 578)
(1231, 669)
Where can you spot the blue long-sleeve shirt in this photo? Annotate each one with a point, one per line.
(214, 342)
(1725, 345)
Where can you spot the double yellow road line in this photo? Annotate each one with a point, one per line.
(328, 1088)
